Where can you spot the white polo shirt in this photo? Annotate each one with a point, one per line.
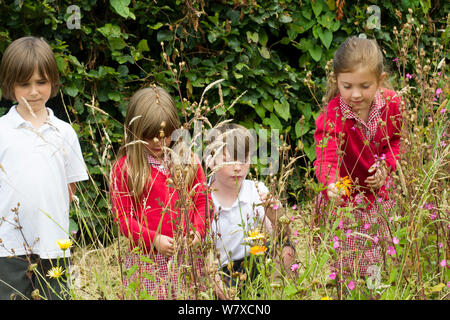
(37, 166)
(232, 224)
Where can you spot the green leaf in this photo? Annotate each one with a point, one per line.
(273, 122)
(264, 52)
(326, 36)
(316, 53)
(317, 7)
(284, 18)
(263, 38)
(121, 7)
(143, 45)
(164, 35)
(282, 108)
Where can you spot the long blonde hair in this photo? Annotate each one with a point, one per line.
(353, 53)
(151, 113)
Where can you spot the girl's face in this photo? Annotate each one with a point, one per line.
(358, 88)
(36, 91)
(155, 147)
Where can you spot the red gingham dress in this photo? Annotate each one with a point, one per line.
(363, 237)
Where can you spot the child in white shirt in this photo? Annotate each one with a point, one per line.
(241, 206)
(40, 163)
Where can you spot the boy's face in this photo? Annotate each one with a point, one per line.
(231, 173)
(36, 91)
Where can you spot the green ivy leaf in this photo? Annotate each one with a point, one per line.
(282, 108)
(316, 53)
(326, 36)
(121, 7)
(317, 7)
(264, 52)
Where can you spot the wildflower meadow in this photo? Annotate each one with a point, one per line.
(263, 64)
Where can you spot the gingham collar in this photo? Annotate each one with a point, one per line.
(369, 128)
(157, 164)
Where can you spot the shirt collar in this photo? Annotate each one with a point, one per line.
(17, 120)
(244, 196)
(370, 127)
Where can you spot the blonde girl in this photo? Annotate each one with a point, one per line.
(156, 198)
(357, 145)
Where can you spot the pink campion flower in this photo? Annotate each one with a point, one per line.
(395, 240)
(375, 239)
(391, 251)
(358, 198)
(448, 284)
(351, 285)
(294, 267)
(395, 60)
(275, 207)
(438, 92)
(336, 242)
(366, 226)
(332, 275)
(295, 233)
(441, 245)
(294, 207)
(443, 263)
(341, 224)
(442, 111)
(408, 76)
(433, 215)
(380, 199)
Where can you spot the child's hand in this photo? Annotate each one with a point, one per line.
(378, 179)
(333, 193)
(194, 238)
(164, 245)
(272, 207)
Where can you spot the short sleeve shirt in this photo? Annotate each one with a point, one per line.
(231, 225)
(37, 165)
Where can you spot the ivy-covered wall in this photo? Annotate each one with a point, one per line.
(107, 49)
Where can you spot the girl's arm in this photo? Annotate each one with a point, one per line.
(326, 164)
(393, 130)
(124, 212)
(200, 217)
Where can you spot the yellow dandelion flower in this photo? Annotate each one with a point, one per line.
(344, 184)
(64, 244)
(254, 235)
(258, 250)
(55, 272)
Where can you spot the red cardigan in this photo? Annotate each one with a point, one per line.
(356, 155)
(158, 213)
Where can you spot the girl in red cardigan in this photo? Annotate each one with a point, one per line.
(155, 206)
(357, 145)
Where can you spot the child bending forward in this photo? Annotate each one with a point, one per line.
(154, 209)
(358, 143)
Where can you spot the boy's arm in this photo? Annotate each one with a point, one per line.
(72, 191)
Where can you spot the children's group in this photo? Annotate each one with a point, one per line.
(160, 195)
